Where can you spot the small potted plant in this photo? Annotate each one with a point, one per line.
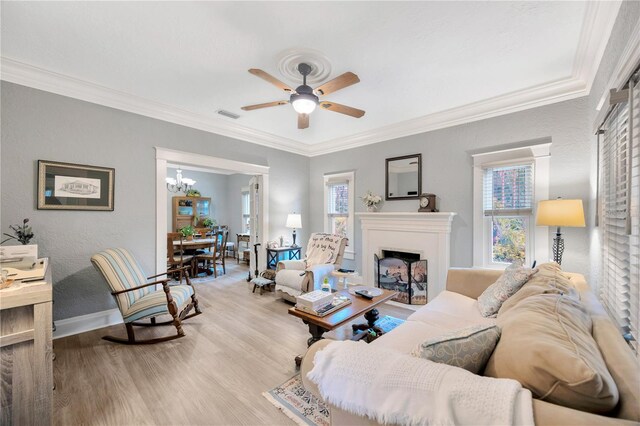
(22, 233)
(371, 200)
(207, 222)
(193, 193)
(187, 232)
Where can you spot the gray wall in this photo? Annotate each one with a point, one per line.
(447, 170)
(212, 185)
(40, 125)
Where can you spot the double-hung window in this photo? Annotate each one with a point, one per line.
(246, 210)
(508, 207)
(339, 207)
(507, 187)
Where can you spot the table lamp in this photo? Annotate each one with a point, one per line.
(560, 213)
(294, 221)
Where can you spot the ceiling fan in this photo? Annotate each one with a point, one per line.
(305, 99)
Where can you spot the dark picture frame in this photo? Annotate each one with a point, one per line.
(418, 159)
(68, 186)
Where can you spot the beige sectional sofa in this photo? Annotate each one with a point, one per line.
(457, 308)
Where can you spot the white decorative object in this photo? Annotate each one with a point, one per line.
(179, 184)
(371, 200)
(425, 234)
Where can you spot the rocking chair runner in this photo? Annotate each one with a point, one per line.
(138, 299)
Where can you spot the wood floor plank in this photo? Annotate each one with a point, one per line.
(243, 344)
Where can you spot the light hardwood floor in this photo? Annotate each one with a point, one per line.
(242, 345)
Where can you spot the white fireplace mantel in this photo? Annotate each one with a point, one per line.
(425, 233)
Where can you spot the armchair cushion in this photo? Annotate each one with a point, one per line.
(155, 303)
(299, 265)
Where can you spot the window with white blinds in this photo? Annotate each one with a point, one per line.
(339, 207)
(508, 190)
(507, 200)
(619, 214)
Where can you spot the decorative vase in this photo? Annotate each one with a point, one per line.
(372, 209)
(189, 237)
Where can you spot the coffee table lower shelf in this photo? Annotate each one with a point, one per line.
(359, 306)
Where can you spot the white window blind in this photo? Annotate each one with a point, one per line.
(619, 214)
(508, 190)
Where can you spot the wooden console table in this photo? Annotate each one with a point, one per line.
(273, 255)
(26, 391)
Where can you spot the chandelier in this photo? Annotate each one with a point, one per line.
(179, 184)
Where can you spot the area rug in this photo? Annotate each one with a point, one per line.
(302, 406)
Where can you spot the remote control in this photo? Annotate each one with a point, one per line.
(364, 293)
(346, 271)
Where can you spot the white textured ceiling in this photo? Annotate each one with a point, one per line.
(414, 59)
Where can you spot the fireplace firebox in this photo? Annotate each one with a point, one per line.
(405, 273)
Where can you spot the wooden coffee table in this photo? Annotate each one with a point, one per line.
(358, 306)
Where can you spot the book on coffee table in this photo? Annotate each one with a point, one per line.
(326, 309)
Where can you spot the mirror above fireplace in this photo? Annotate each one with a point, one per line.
(403, 177)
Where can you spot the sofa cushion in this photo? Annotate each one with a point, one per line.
(448, 311)
(452, 310)
(546, 345)
(548, 279)
(468, 348)
(506, 286)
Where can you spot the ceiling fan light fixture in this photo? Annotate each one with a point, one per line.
(304, 103)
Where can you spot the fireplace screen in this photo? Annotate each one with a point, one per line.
(407, 277)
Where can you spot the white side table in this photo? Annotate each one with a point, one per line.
(343, 276)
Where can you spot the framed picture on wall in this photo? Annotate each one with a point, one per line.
(66, 186)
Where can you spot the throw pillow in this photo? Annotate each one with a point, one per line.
(468, 348)
(548, 279)
(514, 277)
(547, 346)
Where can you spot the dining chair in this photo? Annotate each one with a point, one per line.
(208, 256)
(176, 258)
(221, 239)
(138, 299)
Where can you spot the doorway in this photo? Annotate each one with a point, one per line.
(260, 209)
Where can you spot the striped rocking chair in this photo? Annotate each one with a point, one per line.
(138, 299)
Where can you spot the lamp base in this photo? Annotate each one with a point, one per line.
(294, 239)
(558, 247)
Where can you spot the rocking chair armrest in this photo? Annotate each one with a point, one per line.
(163, 282)
(169, 271)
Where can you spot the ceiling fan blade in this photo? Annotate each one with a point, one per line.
(265, 105)
(271, 79)
(340, 82)
(342, 109)
(303, 121)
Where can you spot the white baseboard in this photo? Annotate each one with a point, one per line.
(83, 323)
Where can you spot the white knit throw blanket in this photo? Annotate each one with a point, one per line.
(322, 248)
(392, 387)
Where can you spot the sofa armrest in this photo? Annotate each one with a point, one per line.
(298, 265)
(307, 365)
(545, 413)
(471, 282)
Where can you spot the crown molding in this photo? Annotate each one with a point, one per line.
(513, 102)
(599, 19)
(38, 78)
(598, 22)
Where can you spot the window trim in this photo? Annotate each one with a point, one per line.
(244, 190)
(538, 243)
(349, 177)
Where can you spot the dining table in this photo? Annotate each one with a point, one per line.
(196, 243)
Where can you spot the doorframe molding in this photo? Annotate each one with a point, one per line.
(165, 156)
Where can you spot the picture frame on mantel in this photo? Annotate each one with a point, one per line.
(403, 177)
(68, 186)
